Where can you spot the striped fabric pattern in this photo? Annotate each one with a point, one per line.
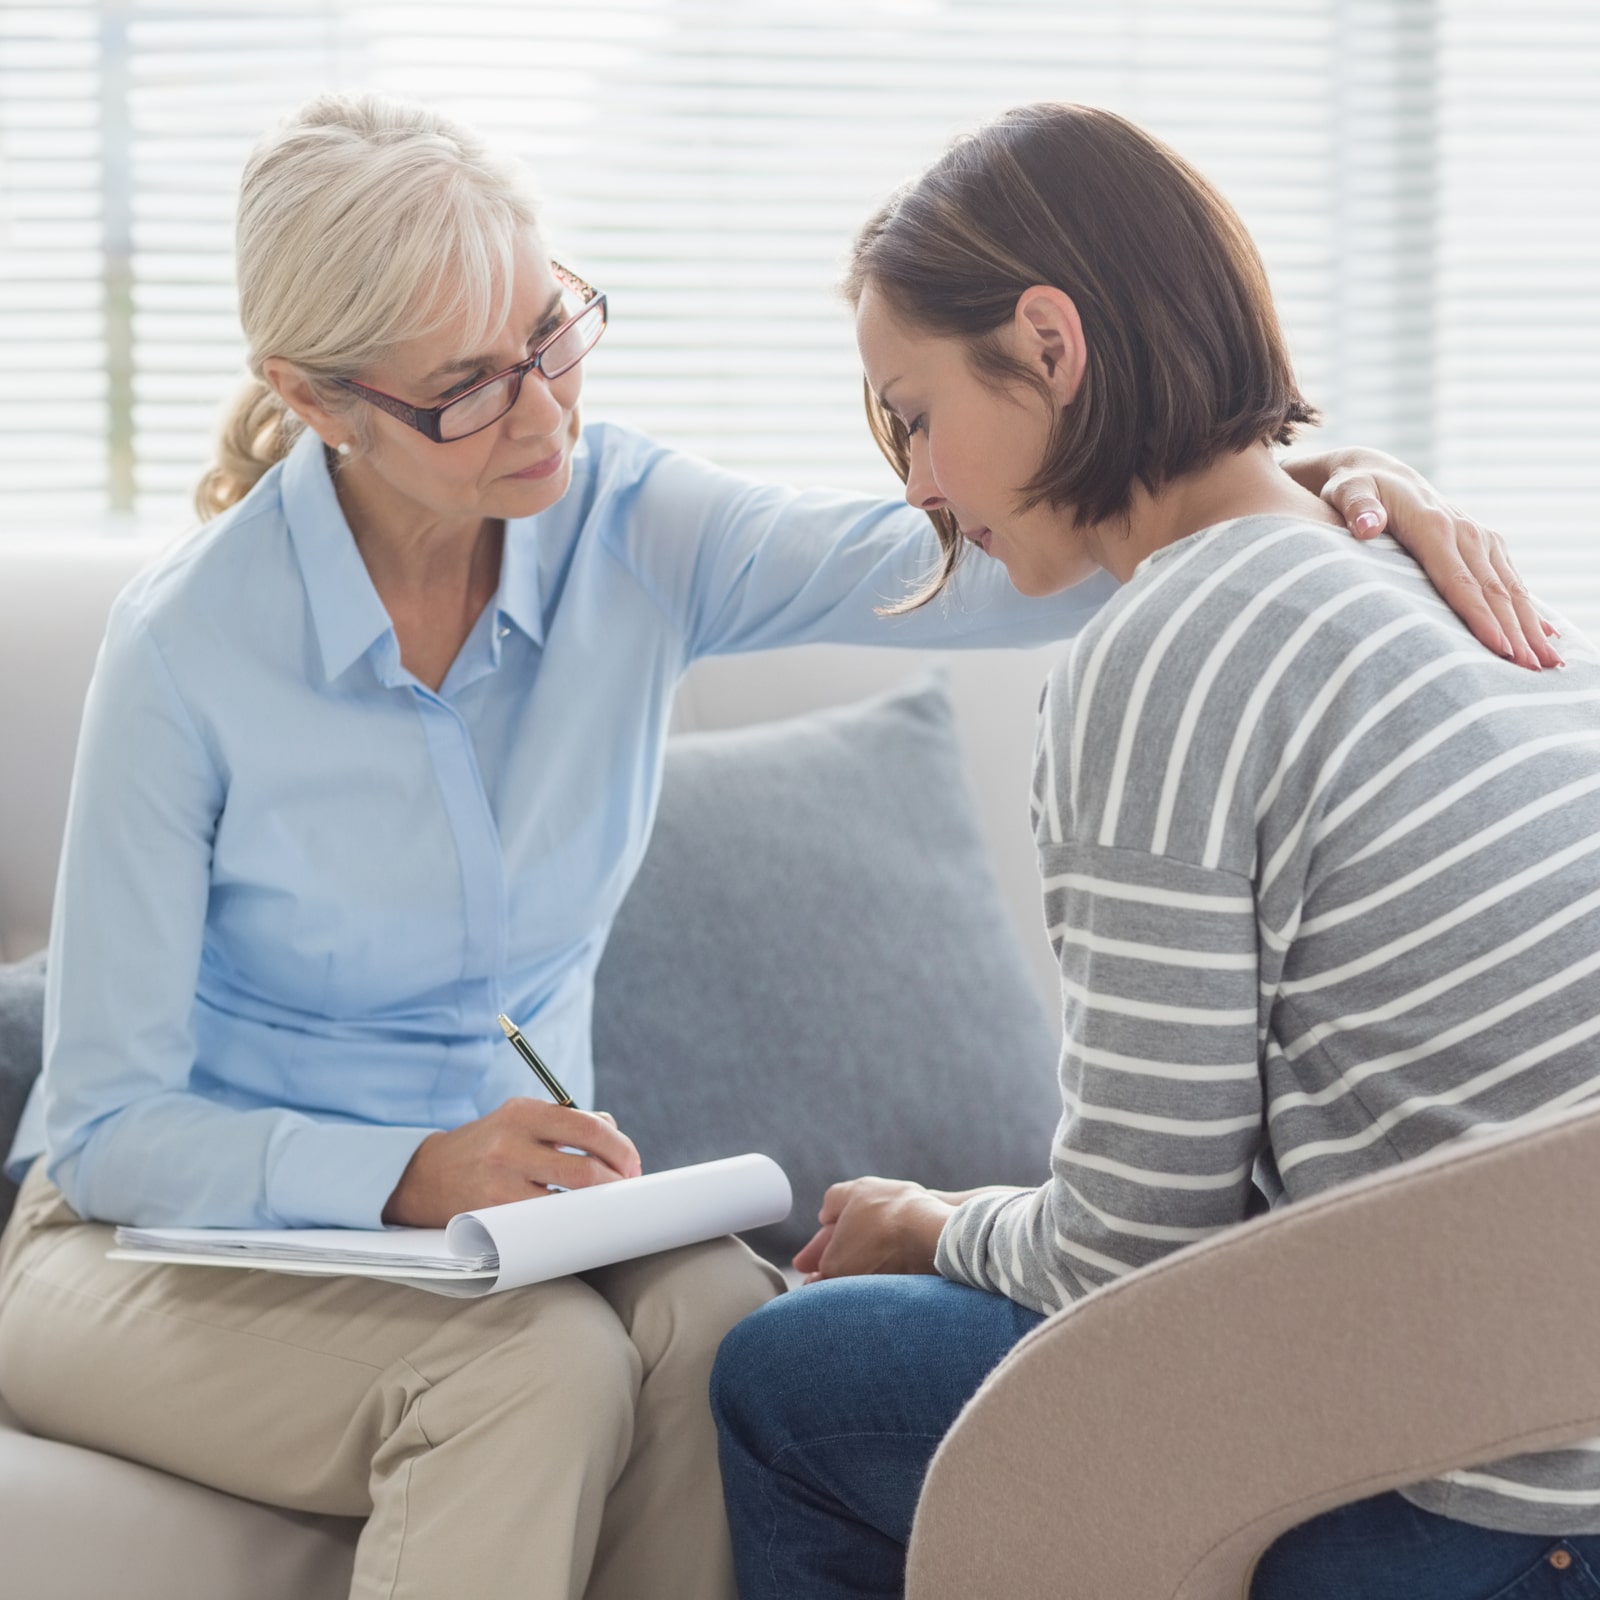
(1323, 878)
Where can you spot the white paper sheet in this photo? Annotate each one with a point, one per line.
(500, 1247)
(535, 1240)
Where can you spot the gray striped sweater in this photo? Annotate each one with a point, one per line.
(1323, 877)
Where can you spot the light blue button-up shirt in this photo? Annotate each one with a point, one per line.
(297, 884)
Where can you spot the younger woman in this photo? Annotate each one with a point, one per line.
(1323, 878)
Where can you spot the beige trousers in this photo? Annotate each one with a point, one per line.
(542, 1444)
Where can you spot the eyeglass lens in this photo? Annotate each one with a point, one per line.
(488, 404)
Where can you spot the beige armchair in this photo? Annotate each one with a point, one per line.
(1151, 1442)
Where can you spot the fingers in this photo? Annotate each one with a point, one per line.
(520, 1150)
(834, 1202)
(1467, 563)
(569, 1169)
(599, 1136)
(1534, 632)
(1354, 495)
(1454, 552)
(1478, 551)
(809, 1256)
(1481, 583)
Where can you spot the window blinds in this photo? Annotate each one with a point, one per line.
(55, 417)
(1420, 175)
(1516, 396)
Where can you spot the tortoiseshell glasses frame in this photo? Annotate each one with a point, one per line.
(487, 401)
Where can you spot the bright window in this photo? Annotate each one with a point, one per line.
(1423, 177)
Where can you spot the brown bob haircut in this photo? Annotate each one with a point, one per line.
(1186, 360)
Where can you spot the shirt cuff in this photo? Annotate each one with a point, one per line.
(964, 1239)
(338, 1174)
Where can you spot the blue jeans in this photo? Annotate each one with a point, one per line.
(831, 1401)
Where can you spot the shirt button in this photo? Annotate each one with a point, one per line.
(1561, 1559)
(505, 633)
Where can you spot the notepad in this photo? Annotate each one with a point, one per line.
(500, 1247)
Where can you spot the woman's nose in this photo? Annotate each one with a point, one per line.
(537, 410)
(921, 489)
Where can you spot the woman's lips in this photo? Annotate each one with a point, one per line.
(980, 537)
(543, 469)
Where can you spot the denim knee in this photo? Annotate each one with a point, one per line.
(755, 1368)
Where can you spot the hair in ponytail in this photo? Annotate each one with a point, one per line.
(363, 223)
(257, 431)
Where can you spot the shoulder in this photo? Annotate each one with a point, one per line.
(210, 586)
(1178, 700)
(612, 453)
(1213, 608)
(656, 509)
(622, 477)
(1197, 586)
(614, 463)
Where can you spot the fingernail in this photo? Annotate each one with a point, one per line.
(1368, 522)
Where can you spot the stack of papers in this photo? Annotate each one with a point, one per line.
(404, 1251)
(500, 1247)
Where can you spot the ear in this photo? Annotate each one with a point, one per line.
(291, 387)
(1050, 338)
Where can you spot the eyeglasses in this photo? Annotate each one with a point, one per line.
(485, 403)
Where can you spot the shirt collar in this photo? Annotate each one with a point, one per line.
(345, 609)
(346, 612)
(521, 598)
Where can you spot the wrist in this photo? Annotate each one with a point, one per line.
(927, 1226)
(402, 1208)
(1314, 469)
(959, 1197)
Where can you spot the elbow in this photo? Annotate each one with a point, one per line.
(65, 1169)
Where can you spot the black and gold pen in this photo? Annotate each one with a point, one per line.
(531, 1056)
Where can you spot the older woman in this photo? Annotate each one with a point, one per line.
(367, 761)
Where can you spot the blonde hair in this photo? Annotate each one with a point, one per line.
(363, 223)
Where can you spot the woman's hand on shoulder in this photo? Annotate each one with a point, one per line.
(873, 1225)
(518, 1151)
(1467, 563)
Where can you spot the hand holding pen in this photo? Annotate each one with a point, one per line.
(524, 1148)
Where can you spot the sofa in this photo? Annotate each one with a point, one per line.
(1435, 1316)
(839, 1013)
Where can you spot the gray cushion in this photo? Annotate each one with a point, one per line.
(21, 1036)
(815, 961)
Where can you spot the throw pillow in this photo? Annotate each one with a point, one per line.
(21, 1046)
(815, 962)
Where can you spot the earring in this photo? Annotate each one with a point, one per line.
(344, 447)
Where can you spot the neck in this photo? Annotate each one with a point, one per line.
(409, 551)
(434, 575)
(1247, 483)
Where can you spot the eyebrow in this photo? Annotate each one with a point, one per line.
(467, 363)
(882, 397)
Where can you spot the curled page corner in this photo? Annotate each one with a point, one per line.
(555, 1235)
